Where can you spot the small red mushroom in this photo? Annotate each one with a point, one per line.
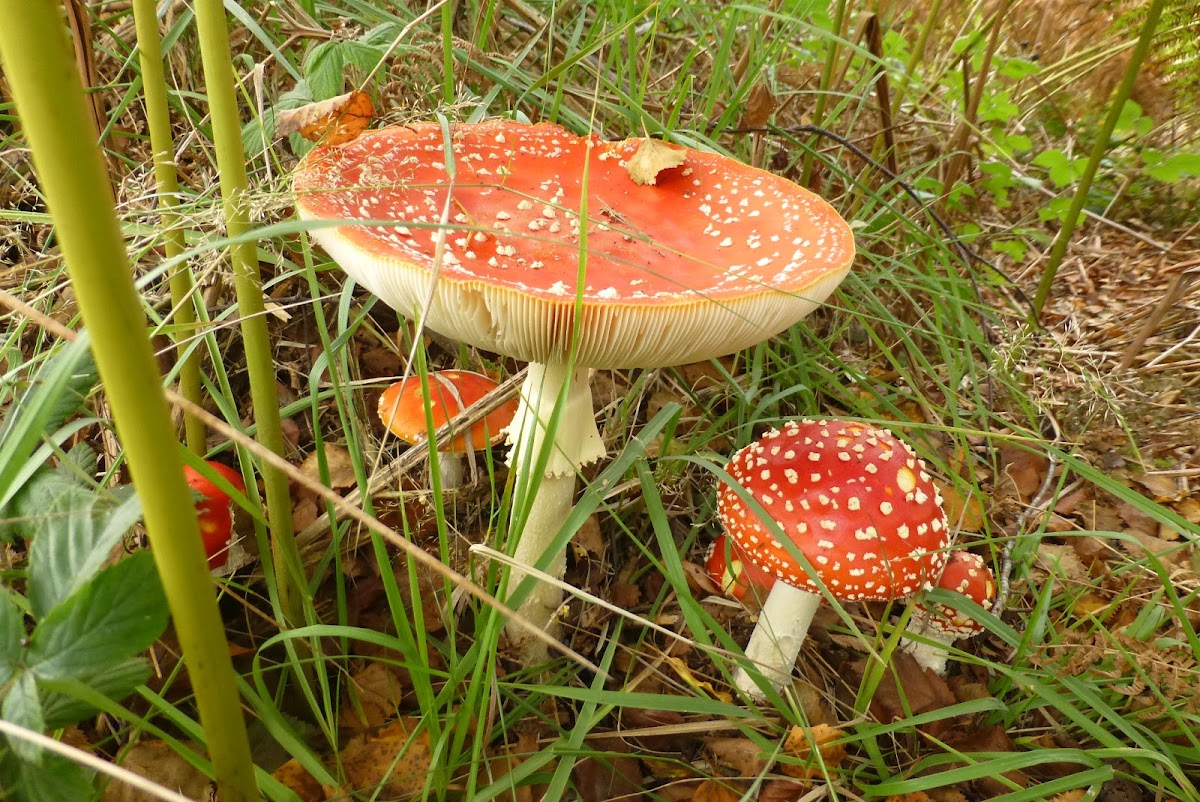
(939, 625)
(214, 511)
(731, 571)
(402, 410)
(855, 501)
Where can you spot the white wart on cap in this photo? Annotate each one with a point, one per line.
(714, 257)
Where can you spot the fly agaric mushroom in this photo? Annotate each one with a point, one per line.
(214, 511)
(855, 501)
(402, 411)
(531, 242)
(939, 624)
(734, 575)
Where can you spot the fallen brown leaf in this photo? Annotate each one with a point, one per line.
(1022, 470)
(740, 754)
(800, 744)
(652, 157)
(392, 760)
(907, 689)
(371, 698)
(157, 761)
(341, 469)
(713, 791)
(329, 122)
(760, 105)
(599, 779)
(297, 778)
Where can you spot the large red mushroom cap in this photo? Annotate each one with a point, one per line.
(854, 499)
(713, 257)
(965, 573)
(402, 409)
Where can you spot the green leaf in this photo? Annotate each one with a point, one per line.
(12, 632)
(56, 392)
(66, 701)
(79, 532)
(55, 780)
(1175, 168)
(114, 616)
(323, 70)
(23, 708)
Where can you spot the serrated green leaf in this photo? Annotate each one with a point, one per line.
(83, 459)
(12, 632)
(57, 390)
(23, 707)
(81, 529)
(55, 780)
(67, 701)
(114, 616)
(324, 70)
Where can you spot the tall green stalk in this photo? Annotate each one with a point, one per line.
(231, 163)
(1099, 148)
(40, 69)
(158, 115)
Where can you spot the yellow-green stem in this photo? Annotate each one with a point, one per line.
(158, 116)
(260, 365)
(1059, 249)
(40, 69)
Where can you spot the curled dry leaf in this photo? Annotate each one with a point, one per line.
(341, 468)
(652, 157)
(740, 754)
(818, 742)
(760, 105)
(329, 122)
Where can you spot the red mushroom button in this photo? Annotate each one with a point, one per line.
(855, 501)
(538, 244)
(214, 511)
(402, 411)
(939, 625)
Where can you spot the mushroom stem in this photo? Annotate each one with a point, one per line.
(450, 469)
(551, 492)
(775, 644)
(933, 651)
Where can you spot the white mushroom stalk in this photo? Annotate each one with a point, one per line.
(939, 625)
(855, 501)
(711, 257)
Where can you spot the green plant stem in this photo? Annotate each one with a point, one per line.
(158, 116)
(227, 139)
(932, 19)
(839, 17)
(1059, 249)
(40, 69)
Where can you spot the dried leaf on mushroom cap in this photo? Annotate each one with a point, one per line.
(855, 500)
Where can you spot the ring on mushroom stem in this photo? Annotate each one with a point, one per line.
(553, 254)
(855, 501)
(402, 411)
(939, 625)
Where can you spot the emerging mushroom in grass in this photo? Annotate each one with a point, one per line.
(939, 625)
(214, 511)
(402, 411)
(855, 501)
(532, 242)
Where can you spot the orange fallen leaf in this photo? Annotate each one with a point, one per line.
(297, 779)
(801, 745)
(329, 122)
(392, 760)
(713, 791)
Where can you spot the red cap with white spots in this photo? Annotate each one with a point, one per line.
(713, 257)
(968, 574)
(854, 499)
